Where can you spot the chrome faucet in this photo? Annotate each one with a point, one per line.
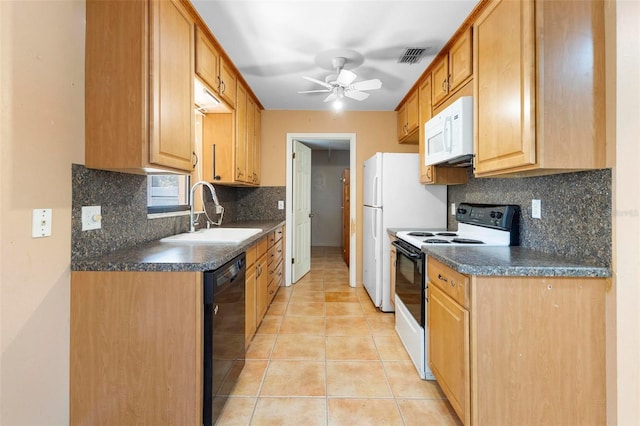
(219, 208)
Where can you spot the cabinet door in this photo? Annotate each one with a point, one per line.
(207, 60)
(251, 140)
(258, 141)
(424, 112)
(250, 303)
(402, 121)
(448, 336)
(412, 112)
(171, 96)
(241, 135)
(460, 63)
(504, 86)
(228, 83)
(346, 215)
(262, 288)
(440, 77)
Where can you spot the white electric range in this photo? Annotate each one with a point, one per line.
(479, 225)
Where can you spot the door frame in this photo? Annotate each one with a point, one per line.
(351, 137)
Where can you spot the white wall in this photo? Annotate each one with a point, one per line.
(326, 196)
(42, 134)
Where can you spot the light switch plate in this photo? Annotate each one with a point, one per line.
(453, 209)
(536, 209)
(41, 223)
(280, 205)
(91, 218)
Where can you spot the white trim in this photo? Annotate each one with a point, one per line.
(351, 137)
(168, 214)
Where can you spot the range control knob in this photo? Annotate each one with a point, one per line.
(462, 210)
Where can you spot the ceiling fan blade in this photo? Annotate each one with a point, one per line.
(316, 91)
(367, 85)
(322, 83)
(346, 77)
(356, 94)
(331, 97)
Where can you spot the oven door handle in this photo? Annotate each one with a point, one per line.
(411, 255)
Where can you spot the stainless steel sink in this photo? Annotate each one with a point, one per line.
(215, 235)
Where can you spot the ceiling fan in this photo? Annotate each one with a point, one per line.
(342, 84)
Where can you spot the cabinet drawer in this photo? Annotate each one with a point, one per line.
(275, 272)
(261, 247)
(275, 253)
(272, 238)
(251, 254)
(279, 232)
(452, 283)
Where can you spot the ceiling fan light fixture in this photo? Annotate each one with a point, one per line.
(337, 105)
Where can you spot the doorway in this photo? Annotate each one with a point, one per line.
(324, 142)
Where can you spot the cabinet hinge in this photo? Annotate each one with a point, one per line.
(293, 260)
(294, 155)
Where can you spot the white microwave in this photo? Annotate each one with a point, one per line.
(448, 136)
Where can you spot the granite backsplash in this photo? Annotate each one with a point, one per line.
(123, 201)
(576, 210)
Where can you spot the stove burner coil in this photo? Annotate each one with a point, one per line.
(447, 234)
(435, 241)
(466, 241)
(420, 234)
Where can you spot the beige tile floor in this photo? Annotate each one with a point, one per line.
(324, 355)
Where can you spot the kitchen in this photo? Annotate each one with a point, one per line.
(35, 272)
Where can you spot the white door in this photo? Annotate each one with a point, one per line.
(301, 210)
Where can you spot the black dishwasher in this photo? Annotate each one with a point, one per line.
(224, 338)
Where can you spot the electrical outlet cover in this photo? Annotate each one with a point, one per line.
(91, 218)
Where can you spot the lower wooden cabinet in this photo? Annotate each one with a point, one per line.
(264, 276)
(518, 350)
(136, 348)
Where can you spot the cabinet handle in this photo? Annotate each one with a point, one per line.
(444, 85)
(441, 278)
(195, 156)
(223, 87)
(219, 83)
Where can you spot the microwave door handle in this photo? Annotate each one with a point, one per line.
(447, 133)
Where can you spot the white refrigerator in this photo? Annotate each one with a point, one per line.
(394, 198)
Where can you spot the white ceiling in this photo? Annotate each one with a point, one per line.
(275, 43)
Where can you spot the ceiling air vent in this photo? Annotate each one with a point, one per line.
(412, 55)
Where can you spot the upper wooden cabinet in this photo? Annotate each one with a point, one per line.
(139, 86)
(231, 143)
(453, 69)
(408, 119)
(214, 70)
(539, 92)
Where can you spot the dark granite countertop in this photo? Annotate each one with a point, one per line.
(175, 256)
(512, 261)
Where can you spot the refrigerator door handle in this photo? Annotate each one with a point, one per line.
(375, 182)
(376, 228)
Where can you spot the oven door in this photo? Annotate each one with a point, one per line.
(410, 280)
